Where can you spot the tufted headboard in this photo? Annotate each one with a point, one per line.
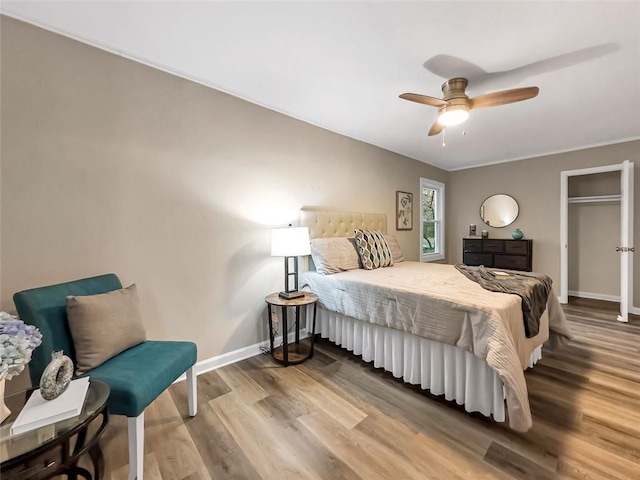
(328, 223)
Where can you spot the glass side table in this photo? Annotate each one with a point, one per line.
(56, 448)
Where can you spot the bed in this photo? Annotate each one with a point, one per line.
(430, 325)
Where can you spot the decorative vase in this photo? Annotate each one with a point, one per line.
(57, 376)
(517, 234)
(4, 410)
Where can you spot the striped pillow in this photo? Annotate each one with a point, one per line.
(373, 249)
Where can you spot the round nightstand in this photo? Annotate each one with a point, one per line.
(299, 351)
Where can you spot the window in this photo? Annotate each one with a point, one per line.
(432, 221)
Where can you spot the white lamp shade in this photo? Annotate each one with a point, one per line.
(290, 242)
(453, 117)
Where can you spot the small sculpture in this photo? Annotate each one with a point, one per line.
(517, 234)
(57, 376)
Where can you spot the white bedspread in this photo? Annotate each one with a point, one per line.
(437, 302)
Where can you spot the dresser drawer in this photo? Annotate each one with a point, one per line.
(493, 246)
(517, 246)
(511, 262)
(475, 259)
(40, 466)
(502, 253)
(471, 245)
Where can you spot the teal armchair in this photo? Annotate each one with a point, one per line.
(136, 376)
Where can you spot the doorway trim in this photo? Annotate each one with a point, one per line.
(626, 198)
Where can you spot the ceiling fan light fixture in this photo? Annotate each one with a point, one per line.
(453, 115)
(453, 107)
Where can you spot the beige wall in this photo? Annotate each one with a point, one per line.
(108, 165)
(535, 184)
(594, 264)
(112, 166)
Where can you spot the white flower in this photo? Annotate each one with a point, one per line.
(17, 341)
(7, 317)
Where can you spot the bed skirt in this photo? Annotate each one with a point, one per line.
(440, 368)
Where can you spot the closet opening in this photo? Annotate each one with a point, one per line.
(594, 226)
(597, 238)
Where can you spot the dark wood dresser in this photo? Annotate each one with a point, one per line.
(497, 253)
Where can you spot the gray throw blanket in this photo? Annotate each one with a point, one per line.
(532, 288)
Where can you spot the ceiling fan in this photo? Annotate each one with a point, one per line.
(454, 106)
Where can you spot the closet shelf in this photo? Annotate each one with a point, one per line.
(596, 199)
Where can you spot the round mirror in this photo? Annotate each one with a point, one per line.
(499, 210)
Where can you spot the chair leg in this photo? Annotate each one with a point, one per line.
(135, 429)
(192, 392)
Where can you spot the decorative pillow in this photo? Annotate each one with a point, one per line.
(334, 255)
(104, 325)
(373, 249)
(394, 247)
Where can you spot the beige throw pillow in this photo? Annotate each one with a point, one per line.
(334, 255)
(394, 246)
(104, 325)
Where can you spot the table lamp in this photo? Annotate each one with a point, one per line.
(290, 242)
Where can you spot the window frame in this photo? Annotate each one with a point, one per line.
(439, 188)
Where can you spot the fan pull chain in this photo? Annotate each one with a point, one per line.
(444, 130)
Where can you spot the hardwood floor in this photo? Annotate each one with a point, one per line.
(335, 417)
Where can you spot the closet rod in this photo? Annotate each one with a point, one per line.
(596, 199)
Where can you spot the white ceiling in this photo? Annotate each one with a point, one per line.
(342, 65)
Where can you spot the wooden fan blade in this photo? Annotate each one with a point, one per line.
(436, 128)
(424, 99)
(504, 97)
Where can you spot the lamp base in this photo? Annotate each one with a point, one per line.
(290, 295)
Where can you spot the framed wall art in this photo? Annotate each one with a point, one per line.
(404, 211)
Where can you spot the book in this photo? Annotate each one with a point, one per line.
(502, 275)
(38, 412)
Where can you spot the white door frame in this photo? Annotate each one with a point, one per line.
(626, 255)
(626, 173)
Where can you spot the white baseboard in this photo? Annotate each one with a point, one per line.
(595, 296)
(213, 363)
(601, 296)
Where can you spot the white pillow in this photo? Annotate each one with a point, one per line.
(334, 255)
(394, 246)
